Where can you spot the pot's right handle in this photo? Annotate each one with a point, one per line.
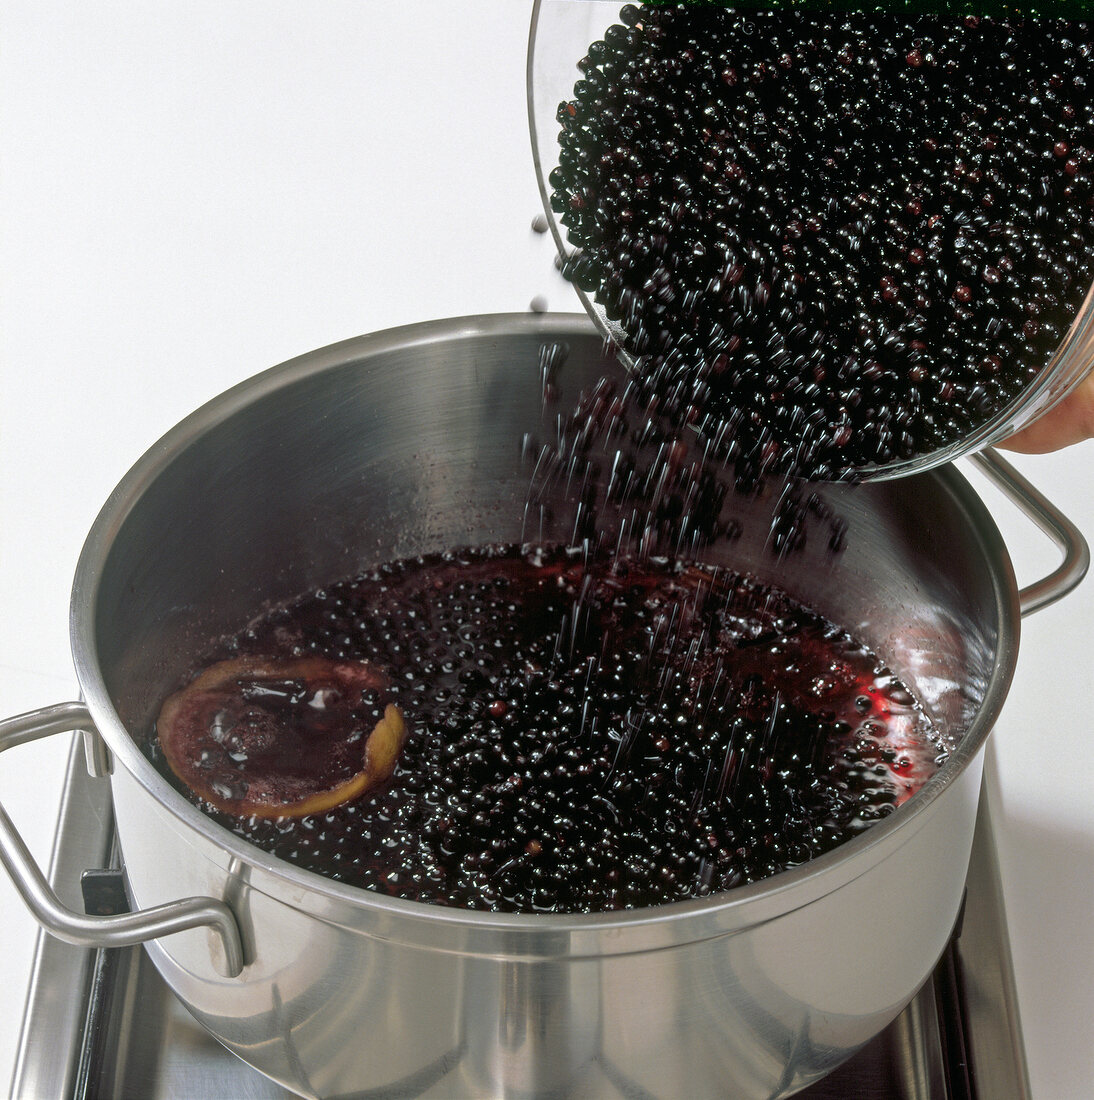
(121, 930)
(1050, 520)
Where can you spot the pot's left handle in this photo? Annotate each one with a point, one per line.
(124, 929)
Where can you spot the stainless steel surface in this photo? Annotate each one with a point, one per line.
(76, 927)
(158, 1052)
(405, 442)
(96, 754)
(1052, 521)
(559, 36)
(990, 1001)
(56, 1007)
(151, 1047)
(138, 1041)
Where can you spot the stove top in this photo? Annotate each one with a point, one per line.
(102, 1024)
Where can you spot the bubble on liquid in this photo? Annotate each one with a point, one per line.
(220, 726)
(230, 790)
(824, 685)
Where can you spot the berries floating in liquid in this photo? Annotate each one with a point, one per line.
(584, 739)
(848, 239)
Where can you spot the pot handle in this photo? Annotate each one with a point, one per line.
(1051, 521)
(122, 930)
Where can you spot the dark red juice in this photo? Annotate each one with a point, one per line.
(588, 738)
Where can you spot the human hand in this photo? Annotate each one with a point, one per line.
(1071, 421)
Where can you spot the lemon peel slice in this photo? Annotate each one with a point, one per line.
(255, 737)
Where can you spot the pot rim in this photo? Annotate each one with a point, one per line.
(740, 907)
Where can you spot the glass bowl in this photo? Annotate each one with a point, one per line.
(560, 35)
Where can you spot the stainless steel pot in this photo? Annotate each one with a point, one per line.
(408, 441)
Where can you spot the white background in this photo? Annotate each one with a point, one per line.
(191, 192)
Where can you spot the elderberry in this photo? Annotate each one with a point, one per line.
(816, 229)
